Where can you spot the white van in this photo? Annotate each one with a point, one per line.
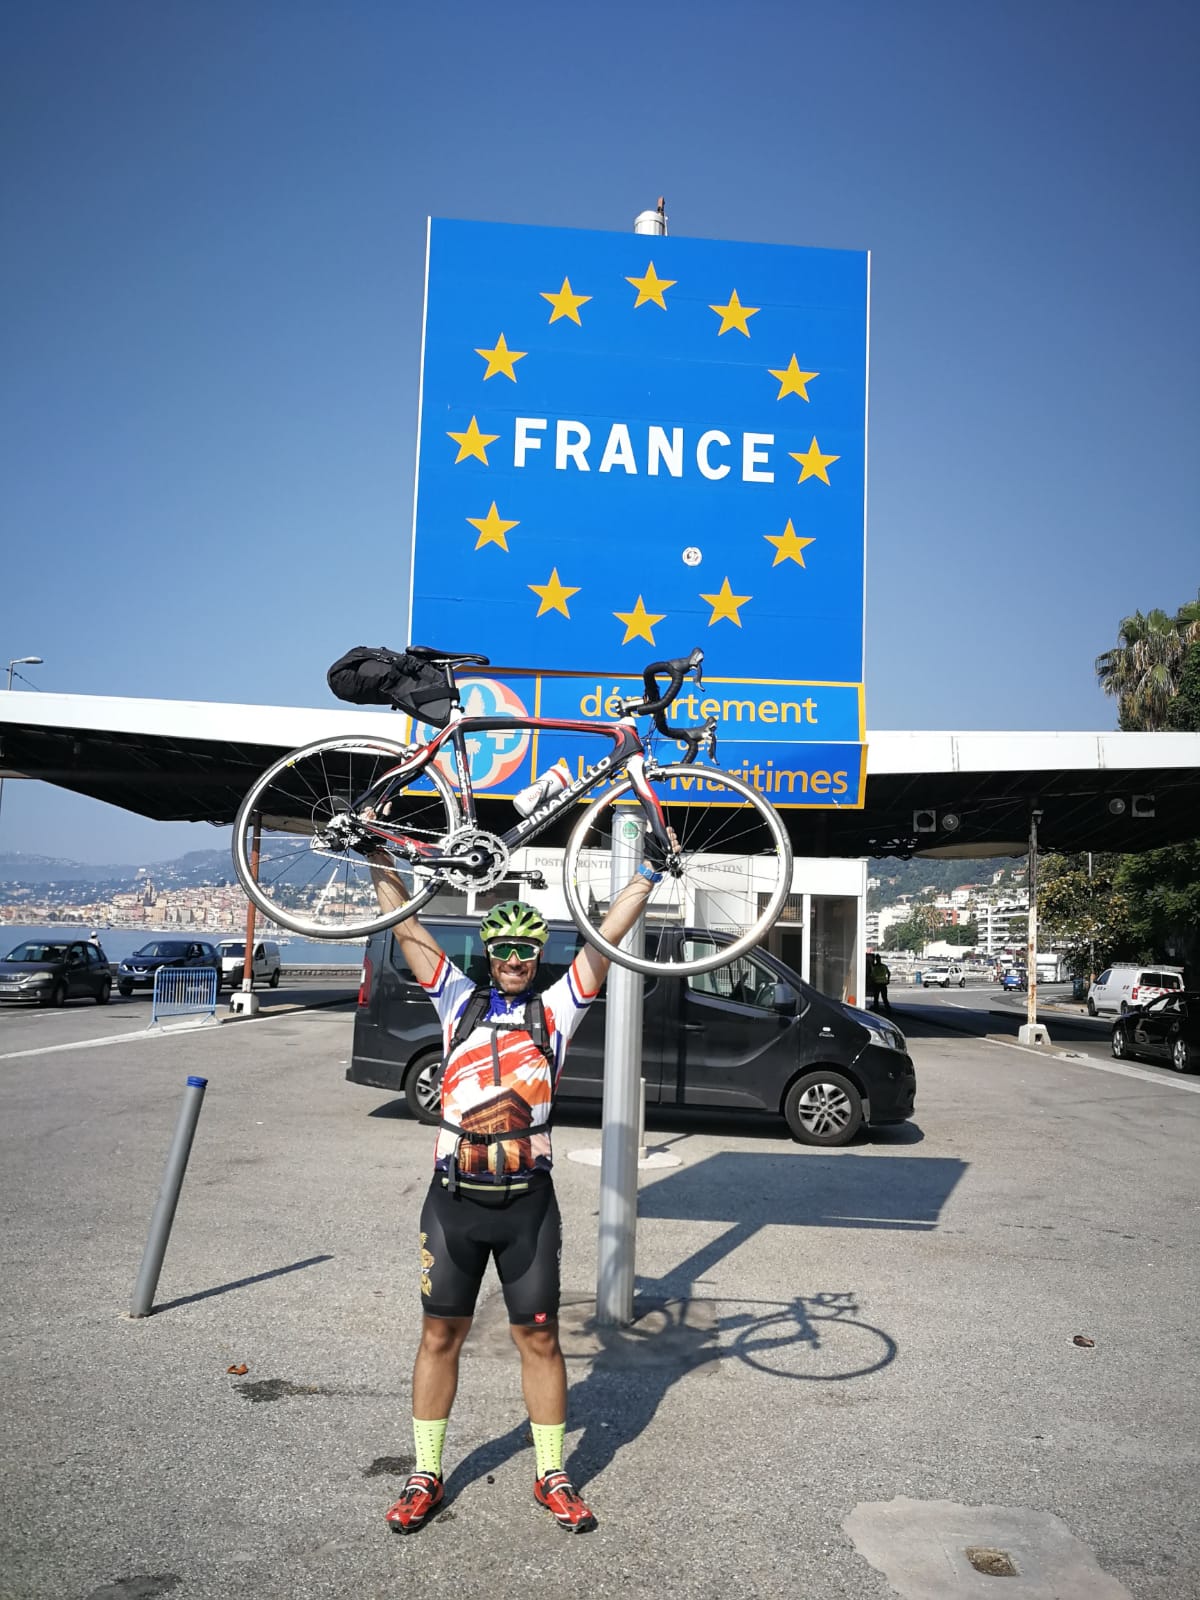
(1121, 988)
(267, 964)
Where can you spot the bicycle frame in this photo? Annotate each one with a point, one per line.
(628, 754)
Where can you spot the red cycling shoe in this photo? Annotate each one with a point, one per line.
(558, 1494)
(419, 1499)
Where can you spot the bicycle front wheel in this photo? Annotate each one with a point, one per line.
(734, 875)
(303, 883)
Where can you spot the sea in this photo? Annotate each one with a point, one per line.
(117, 943)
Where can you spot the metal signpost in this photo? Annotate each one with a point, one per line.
(622, 1110)
(629, 445)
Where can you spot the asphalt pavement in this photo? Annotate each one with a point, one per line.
(848, 1369)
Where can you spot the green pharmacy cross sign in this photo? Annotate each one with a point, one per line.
(629, 446)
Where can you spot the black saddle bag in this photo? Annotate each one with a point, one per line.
(379, 677)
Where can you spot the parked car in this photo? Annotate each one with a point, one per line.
(267, 963)
(52, 973)
(752, 1035)
(137, 971)
(1125, 985)
(943, 977)
(1168, 1029)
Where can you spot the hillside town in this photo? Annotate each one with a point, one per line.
(212, 907)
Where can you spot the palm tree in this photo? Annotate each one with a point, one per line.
(1143, 670)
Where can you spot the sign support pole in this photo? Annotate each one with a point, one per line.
(620, 1135)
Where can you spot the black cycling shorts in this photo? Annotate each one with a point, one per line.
(461, 1232)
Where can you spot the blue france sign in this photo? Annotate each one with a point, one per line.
(631, 445)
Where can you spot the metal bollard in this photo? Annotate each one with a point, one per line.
(168, 1198)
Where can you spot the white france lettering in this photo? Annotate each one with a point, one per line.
(713, 436)
(565, 446)
(524, 440)
(618, 452)
(670, 453)
(753, 458)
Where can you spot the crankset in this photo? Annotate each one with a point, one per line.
(479, 859)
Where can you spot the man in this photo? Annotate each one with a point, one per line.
(879, 975)
(492, 1193)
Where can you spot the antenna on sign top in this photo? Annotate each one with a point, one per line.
(652, 221)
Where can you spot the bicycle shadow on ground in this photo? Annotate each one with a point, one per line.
(814, 1336)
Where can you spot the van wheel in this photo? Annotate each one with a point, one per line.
(823, 1107)
(421, 1091)
(1091, 1007)
(275, 979)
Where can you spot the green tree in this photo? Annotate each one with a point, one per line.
(1163, 891)
(1183, 714)
(921, 925)
(1142, 671)
(1081, 909)
(963, 934)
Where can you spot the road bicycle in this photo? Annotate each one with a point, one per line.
(311, 816)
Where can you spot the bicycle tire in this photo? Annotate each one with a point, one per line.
(676, 901)
(294, 797)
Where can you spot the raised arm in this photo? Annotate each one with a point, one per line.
(626, 908)
(421, 950)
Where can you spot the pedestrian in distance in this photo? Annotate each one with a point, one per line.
(879, 975)
(492, 1194)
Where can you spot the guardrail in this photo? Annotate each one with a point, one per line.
(184, 992)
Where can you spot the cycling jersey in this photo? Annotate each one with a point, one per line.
(496, 1080)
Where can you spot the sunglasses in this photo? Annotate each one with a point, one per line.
(523, 949)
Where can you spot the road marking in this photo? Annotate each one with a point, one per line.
(192, 1031)
(112, 1038)
(1118, 1067)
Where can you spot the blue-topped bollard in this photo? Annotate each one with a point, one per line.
(168, 1198)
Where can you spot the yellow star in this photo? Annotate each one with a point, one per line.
(492, 529)
(502, 359)
(812, 462)
(735, 315)
(725, 604)
(553, 594)
(651, 288)
(566, 302)
(472, 443)
(789, 546)
(639, 623)
(792, 380)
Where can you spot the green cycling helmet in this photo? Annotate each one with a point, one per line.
(514, 919)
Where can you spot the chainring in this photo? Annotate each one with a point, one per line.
(465, 839)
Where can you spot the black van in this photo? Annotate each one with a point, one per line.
(749, 1035)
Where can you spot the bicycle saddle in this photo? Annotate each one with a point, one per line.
(446, 658)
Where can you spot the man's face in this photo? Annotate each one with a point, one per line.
(511, 973)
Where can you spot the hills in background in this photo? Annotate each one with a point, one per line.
(205, 868)
(196, 869)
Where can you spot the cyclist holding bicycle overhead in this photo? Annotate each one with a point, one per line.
(492, 1193)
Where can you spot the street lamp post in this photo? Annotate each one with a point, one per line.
(17, 661)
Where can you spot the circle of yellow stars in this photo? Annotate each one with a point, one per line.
(734, 317)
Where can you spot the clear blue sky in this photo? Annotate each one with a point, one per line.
(214, 221)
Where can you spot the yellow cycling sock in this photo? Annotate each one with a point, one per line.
(548, 1446)
(429, 1438)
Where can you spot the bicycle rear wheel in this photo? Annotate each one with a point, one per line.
(303, 883)
(734, 876)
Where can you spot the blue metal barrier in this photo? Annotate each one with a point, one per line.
(184, 992)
